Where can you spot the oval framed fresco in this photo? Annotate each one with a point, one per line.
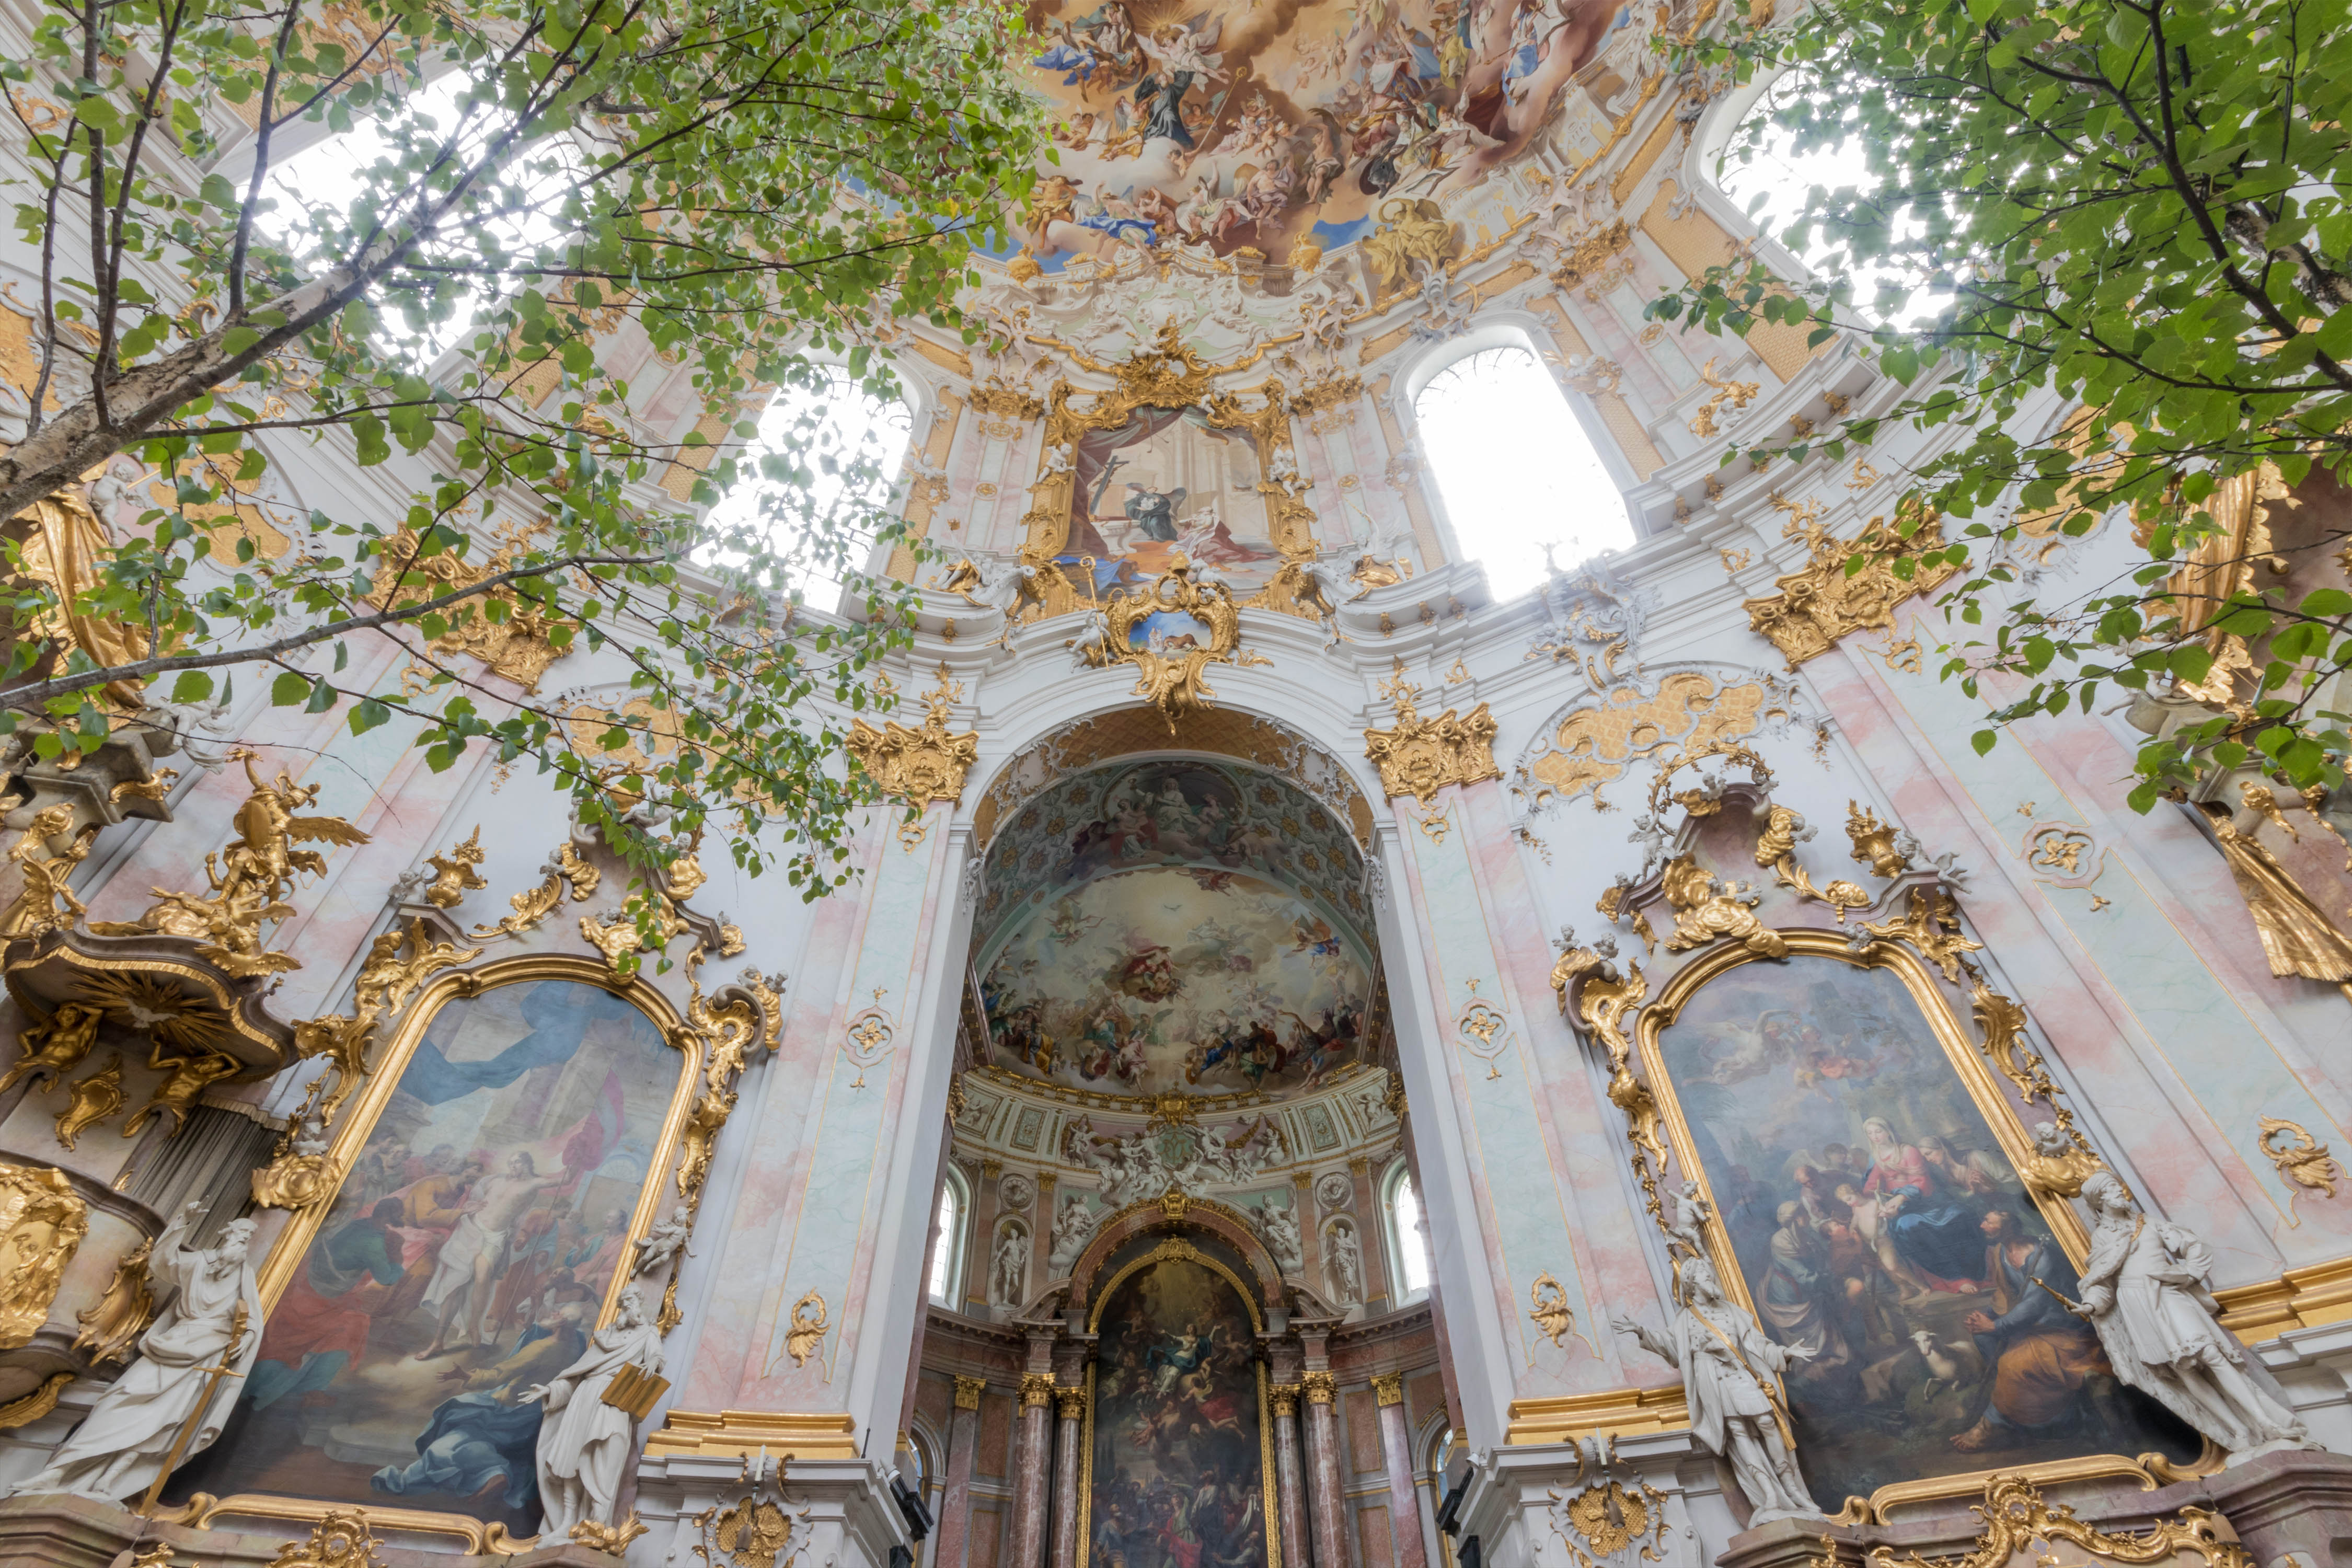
(513, 1143)
(1863, 1165)
(1178, 1439)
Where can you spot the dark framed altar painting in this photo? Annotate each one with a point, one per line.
(1179, 1460)
(1860, 1157)
(495, 1175)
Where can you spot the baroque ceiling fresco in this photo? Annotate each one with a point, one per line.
(1257, 124)
(1174, 927)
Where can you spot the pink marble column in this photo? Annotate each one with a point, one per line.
(1071, 1403)
(1396, 1448)
(1323, 1479)
(1290, 1495)
(955, 1490)
(1032, 1461)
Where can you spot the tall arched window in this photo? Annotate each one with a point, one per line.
(947, 1241)
(1408, 1239)
(1516, 469)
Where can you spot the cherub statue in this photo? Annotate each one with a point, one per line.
(664, 1241)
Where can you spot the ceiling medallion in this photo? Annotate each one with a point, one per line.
(922, 765)
(1172, 632)
(1421, 756)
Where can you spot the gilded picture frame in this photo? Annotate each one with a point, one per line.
(1175, 1247)
(1169, 376)
(351, 1133)
(1985, 1090)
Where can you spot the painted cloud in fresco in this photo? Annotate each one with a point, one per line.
(1238, 123)
(1190, 981)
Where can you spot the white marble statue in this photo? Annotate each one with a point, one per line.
(1073, 1228)
(584, 1444)
(117, 1452)
(1011, 1271)
(1729, 1368)
(2144, 1290)
(1279, 1226)
(664, 1241)
(1343, 1266)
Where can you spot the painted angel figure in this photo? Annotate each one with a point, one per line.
(1186, 46)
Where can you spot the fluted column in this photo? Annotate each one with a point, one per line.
(955, 1490)
(1323, 1470)
(1032, 1459)
(1072, 1404)
(1396, 1448)
(1289, 1496)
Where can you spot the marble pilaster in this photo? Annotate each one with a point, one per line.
(980, 1246)
(1289, 1492)
(955, 1491)
(1310, 1228)
(1368, 1221)
(1070, 1406)
(1396, 1451)
(1323, 1479)
(1041, 1231)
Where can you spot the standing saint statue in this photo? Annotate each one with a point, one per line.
(1737, 1408)
(585, 1443)
(1012, 1267)
(2144, 1290)
(213, 1322)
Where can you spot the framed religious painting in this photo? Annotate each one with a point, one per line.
(1863, 1165)
(513, 1143)
(1178, 1462)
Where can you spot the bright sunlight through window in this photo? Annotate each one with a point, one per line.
(851, 444)
(1515, 469)
(1770, 182)
(1413, 1244)
(943, 1248)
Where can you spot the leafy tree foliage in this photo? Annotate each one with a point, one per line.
(2137, 206)
(552, 199)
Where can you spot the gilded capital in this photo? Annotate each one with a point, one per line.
(967, 1391)
(1419, 756)
(991, 1169)
(1286, 1398)
(921, 765)
(1046, 1182)
(1321, 1387)
(1071, 1403)
(1388, 1387)
(1037, 1388)
(1360, 1166)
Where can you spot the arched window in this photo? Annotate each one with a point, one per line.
(822, 465)
(1408, 1238)
(947, 1241)
(1516, 469)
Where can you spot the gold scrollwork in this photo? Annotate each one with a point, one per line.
(613, 1540)
(1419, 756)
(91, 1100)
(340, 1540)
(1820, 602)
(2300, 1158)
(115, 1320)
(42, 1223)
(1874, 842)
(2017, 1521)
(1548, 1305)
(1737, 394)
(1931, 924)
(250, 878)
(923, 764)
(1608, 1517)
(533, 905)
(518, 645)
(46, 900)
(1707, 909)
(453, 874)
(1172, 666)
(807, 1328)
(621, 934)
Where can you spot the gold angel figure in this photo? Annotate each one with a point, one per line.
(45, 876)
(54, 1048)
(186, 1076)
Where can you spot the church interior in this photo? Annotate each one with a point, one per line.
(1362, 1013)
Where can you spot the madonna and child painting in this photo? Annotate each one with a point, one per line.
(1179, 1463)
(1878, 1226)
(465, 1261)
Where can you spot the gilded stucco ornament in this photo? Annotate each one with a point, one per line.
(1606, 1518)
(748, 1015)
(45, 901)
(1820, 602)
(2018, 1524)
(340, 1540)
(564, 869)
(397, 963)
(91, 1100)
(1776, 847)
(115, 1321)
(1419, 756)
(518, 645)
(42, 1223)
(1874, 842)
(1708, 909)
(2300, 1158)
(250, 878)
(1548, 1305)
(2296, 934)
(809, 1322)
(924, 764)
(1172, 666)
(453, 874)
(620, 935)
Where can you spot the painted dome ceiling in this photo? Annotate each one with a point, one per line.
(1246, 124)
(1174, 927)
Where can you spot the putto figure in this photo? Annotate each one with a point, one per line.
(2144, 1292)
